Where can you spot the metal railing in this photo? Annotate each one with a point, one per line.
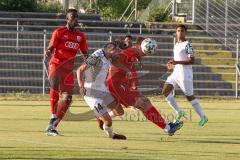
(95, 40)
(20, 39)
(133, 3)
(219, 18)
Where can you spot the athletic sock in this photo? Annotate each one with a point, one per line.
(54, 97)
(154, 116)
(62, 109)
(108, 131)
(172, 102)
(167, 128)
(54, 116)
(197, 108)
(110, 112)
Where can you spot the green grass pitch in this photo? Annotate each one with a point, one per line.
(23, 121)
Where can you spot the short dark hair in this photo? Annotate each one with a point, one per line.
(181, 26)
(128, 36)
(108, 44)
(71, 10)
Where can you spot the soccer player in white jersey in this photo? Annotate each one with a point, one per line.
(92, 75)
(182, 76)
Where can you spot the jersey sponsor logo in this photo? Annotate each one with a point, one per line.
(71, 45)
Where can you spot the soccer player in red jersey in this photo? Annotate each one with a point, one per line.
(118, 83)
(63, 47)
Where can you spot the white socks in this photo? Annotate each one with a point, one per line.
(171, 101)
(53, 116)
(197, 108)
(108, 131)
(110, 112)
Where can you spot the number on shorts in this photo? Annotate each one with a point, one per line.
(99, 108)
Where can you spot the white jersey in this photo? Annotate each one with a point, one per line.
(182, 75)
(97, 95)
(183, 51)
(96, 74)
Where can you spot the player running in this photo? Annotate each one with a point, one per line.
(182, 76)
(118, 83)
(92, 77)
(63, 47)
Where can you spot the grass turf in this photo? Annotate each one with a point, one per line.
(23, 122)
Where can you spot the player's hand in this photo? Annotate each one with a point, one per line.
(170, 64)
(133, 86)
(82, 91)
(48, 53)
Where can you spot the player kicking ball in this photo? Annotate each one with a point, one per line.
(182, 76)
(92, 75)
(118, 83)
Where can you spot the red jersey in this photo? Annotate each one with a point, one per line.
(127, 58)
(119, 84)
(66, 45)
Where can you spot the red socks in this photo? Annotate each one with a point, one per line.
(54, 97)
(62, 109)
(56, 109)
(154, 116)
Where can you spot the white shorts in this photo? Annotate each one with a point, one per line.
(99, 104)
(186, 85)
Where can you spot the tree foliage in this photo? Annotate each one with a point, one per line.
(18, 5)
(113, 9)
(30, 6)
(159, 14)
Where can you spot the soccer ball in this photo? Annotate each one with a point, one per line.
(148, 46)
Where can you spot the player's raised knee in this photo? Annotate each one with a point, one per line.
(120, 110)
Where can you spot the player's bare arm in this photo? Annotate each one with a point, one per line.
(49, 51)
(80, 79)
(190, 61)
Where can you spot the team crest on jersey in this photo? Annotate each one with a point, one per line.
(65, 36)
(78, 38)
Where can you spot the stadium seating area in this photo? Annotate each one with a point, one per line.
(21, 66)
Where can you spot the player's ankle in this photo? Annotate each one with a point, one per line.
(54, 116)
(167, 128)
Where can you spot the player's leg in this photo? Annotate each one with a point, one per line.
(100, 111)
(65, 84)
(113, 108)
(63, 106)
(54, 80)
(108, 129)
(67, 90)
(54, 98)
(167, 92)
(187, 88)
(151, 113)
